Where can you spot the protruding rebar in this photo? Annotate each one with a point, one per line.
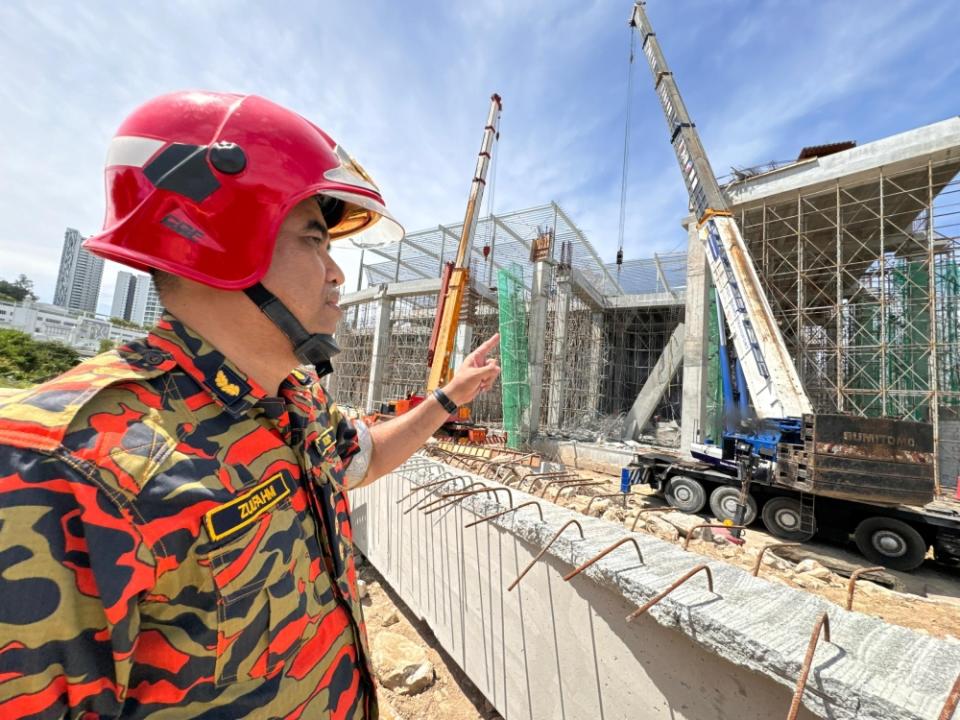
(643, 511)
(573, 486)
(571, 481)
(460, 496)
(686, 541)
(504, 512)
(545, 548)
(603, 553)
(606, 495)
(953, 699)
(441, 499)
(824, 624)
(418, 488)
(763, 551)
(852, 582)
(676, 583)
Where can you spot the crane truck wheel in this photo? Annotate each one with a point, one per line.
(890, 542)
(724, 502)
(685, 494)
(783, 517)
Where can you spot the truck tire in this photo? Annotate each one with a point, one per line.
(890, 542)
(685, 494)
(782, 516)
(724, 501)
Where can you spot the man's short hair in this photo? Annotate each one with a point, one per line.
(164, 282)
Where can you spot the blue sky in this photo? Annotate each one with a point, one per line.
(405, 88)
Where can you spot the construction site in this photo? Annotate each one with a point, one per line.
(728, 475)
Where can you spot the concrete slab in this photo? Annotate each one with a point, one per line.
(564, 650)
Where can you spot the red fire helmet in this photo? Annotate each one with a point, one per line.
(198, 184)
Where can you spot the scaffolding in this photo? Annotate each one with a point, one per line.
(863, 279)
(515, 385)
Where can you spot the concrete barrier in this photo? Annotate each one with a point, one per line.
(553, 650)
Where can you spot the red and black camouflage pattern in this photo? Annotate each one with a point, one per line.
(175, 543)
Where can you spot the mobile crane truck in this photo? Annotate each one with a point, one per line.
(805, 472)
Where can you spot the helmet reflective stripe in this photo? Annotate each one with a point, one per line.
(132, 151)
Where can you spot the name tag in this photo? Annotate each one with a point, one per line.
(244, 509)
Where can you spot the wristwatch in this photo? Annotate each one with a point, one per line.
(449, 405)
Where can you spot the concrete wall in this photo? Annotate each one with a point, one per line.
(551, 649)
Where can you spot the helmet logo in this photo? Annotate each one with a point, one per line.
(183, 169)
(181, 227)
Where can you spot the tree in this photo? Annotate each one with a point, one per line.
(106, 344)
(25, 361)
(17, 290)
(120, 322)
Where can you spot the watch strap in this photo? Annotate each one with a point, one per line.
(449, 405)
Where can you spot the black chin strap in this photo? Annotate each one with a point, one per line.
(312, 348)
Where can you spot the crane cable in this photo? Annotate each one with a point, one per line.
(626, 151)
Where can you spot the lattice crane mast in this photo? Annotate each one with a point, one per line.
(456, 275)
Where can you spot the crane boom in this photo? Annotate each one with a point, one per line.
(456, 275)
(771, 377)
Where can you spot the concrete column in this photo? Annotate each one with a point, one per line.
(538, 327)
(696, 335)
(655, 385)
(558, 368)
(379, 353)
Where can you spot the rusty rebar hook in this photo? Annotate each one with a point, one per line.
(566, 481)
(641, 511)
(607, 495)
(824, 624)
(545, 548)
(686, 541)
(852, 582)
(426, 486)
(673, 586)
(442, 498)
(508, 510)
(603, 553)
(763, 551)
(461, 496)
(573, 486)
(953, 699)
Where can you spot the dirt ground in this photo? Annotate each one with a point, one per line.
(452, 696)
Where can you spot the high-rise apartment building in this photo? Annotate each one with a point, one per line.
(78, 282)
(146, 308)
(123, 295)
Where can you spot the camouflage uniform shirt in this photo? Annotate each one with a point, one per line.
(175, 543)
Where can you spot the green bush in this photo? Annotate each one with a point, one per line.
(25, 361)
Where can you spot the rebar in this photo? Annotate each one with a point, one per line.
(603, 553)
(545, 548)
(643, 511)
(953, 699)
(852, 582)
(824, 624)
(461, 496)
(763, 551)
(606, 495)
(508, 510)
(440, 499)
(574, 486)
(418, 488)
(673, 586)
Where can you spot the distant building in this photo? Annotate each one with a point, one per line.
(123, 295)
(52, 323)
(146, 308)
(78, 282)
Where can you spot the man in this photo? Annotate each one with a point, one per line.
(174, 526)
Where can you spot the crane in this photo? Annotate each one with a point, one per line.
(768, 370)
(456, 275)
